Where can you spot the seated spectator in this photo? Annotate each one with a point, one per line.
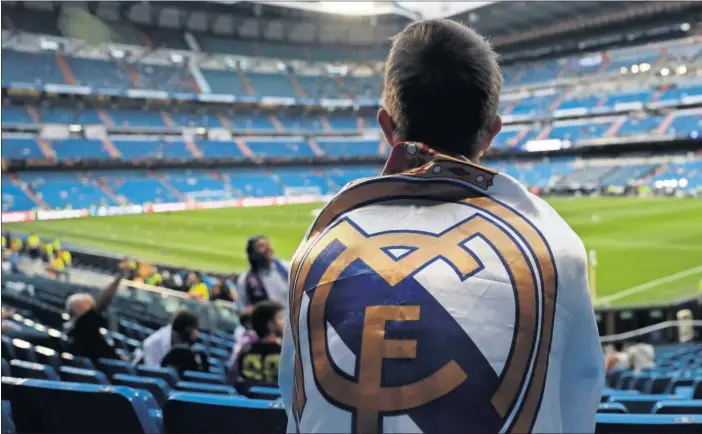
(244, 335)
(57, 266)
(184, 334)
(198, 289)
(83, 327)
(220, 291)
(635, 357)
(155, 278)
(257, 363)
(157, 344)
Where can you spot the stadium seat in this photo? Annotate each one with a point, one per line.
(7, 348)
(157, 386)
(78, 375)
(611, 407)
(23, 350)
(48, 356)
(197, 413)
(660, 384)
(191, 386)
(168, 374)
(647, 423)
(112, 367)
(641, 404)
(48, 406)
(203, 377)
(8, 425)
(68, 359)
(5, 368)
(259, 392)
(678, 407)
(22, 369)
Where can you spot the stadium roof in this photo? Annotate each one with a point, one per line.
(512, 25)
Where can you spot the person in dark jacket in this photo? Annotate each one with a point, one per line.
(86, 320)
(184, 335)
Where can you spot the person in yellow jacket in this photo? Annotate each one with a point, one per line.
(49, 251)
(57, 267)
(155, 278)
(66, 256)
(17, 244)
(34, 246)
(198, 289)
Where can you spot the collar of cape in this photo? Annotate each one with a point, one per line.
(414, 158)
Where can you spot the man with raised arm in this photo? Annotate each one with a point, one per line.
(441, 296)
(86, 320)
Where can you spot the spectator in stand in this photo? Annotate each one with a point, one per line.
(57, 267)
(181, 355)
(198, 289)
(83, 327)
(267, 276)
(244, 335)
(220, 291)
(34, 246)
(155, 278)
(257, 363)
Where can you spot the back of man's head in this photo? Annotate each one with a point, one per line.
(263, 313)
(78, 304)
(442, 88)
(183, 321)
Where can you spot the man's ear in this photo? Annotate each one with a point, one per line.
(386, 125)
(494, 129)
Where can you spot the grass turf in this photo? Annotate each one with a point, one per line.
(637, 240)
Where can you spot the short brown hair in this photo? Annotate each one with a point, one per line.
(442, 86)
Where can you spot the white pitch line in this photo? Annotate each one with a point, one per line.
(648, 285)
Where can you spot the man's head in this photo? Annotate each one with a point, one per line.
(194, 277)
(260, 252)
(442, 88)
(185, 326)
(78, 304)
(267, 319)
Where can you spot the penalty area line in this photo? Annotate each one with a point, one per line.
(649, 285)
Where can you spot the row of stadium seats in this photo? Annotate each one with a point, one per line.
(46, 68)
(131, 148)
(686, 124)
(598, 101)
(28, 190)
(125, 117)
(69, 190)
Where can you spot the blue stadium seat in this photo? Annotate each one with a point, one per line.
(78, 375)
(198, 413)
(660, 384)
(8, 425)
(47, 406)
(8, 350)
(168, 374)
(22, 369)
(678, 407)
(157, 386)
(203, 377)
(260, 392)
(611, 407)
(112, 367)
(191, 386)
(647, 423)
(48, 356)
(68, 359)
(23, 350)
(157, 417)
(641, 404)
(5, 368)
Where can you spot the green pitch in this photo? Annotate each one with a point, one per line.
(648, 250)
